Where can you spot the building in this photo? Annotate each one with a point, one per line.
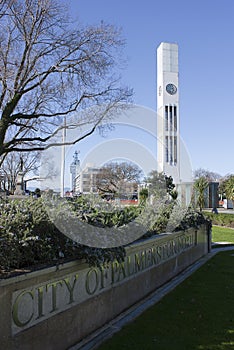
(85, 182)
(85, 179)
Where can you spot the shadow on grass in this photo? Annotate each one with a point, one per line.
(198, 314)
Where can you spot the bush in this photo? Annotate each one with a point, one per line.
(29, 239)
(98, 212)
(221, 219)
(172, 218)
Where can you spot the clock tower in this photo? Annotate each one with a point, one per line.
(168, 122)
(74, 170)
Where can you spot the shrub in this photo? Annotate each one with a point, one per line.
(172, 217)
(29, 239)
(98, 212)
(221, 219)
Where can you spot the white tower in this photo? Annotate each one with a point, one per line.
(74, 170)
(172, 156)
(168, 121)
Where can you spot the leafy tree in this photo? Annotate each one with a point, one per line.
(229, 187)
(199, 186)
(51, 69)
(222, 192)
(160, 184)
(118, 178)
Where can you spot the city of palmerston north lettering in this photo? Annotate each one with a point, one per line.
(33, 305)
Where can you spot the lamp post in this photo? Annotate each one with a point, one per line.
(63, 158)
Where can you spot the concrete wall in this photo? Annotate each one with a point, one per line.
(56, 307)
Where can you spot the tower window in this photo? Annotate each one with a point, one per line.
(175, 123)
(175, 118)
(166, 150)
(166, 118)
(171, 117)
(175, 150)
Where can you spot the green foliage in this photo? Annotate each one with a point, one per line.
(29, 239)
(144, 193)
(193, 218)
(199, 186)
(229, 187)
(221, 219)
(160, 184)
(173, 218)
(97, 212)
(159, 224)
(99, 256)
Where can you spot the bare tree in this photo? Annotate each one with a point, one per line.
(51, 68)
(209, 175)
(118, 178)
(4, 5)
(15, 162)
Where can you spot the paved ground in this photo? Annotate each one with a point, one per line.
(95, 339)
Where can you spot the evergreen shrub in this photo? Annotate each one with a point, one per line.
(29, 239)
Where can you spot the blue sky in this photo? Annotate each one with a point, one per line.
(204, 32)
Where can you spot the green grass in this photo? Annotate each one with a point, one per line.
(197, 315)
(222, 234)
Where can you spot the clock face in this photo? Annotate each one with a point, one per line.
(171, 89)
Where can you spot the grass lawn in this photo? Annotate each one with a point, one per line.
(222, 234)
(198, 314)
